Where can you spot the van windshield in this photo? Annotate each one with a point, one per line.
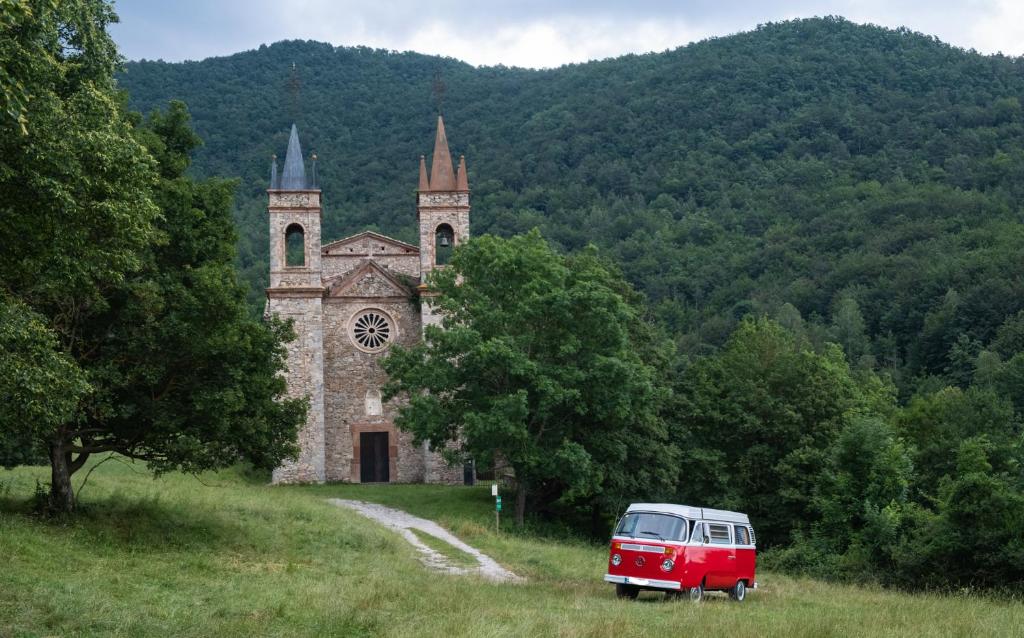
(652, 526)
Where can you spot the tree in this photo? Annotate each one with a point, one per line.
(124, 327)
(538, 362)
(848, 328)
(40, 386)
(936, 424)
(757, 421)
(76, 213)
(184, 377)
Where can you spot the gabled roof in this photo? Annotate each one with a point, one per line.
(347, 285)
(332, 248)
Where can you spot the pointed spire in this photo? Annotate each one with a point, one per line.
(293, 177)
(424, 184)
(442, 177)
(273, 172)
(461, 179)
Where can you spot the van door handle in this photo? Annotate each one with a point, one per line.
(732, 558)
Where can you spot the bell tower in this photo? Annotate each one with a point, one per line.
(443, 209)
(296, 294)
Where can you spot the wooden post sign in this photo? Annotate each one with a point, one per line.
(497, 508)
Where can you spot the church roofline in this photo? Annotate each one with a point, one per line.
(367, 233)
(340, 283)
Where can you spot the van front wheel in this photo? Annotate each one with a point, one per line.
(696, 594)
(626, 591)
(739, 591)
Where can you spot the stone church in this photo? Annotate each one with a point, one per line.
(350, 301)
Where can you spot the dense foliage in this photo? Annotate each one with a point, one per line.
(816, 163)
(825, 217)
(538, 365)
(841, 480)
(122, 324)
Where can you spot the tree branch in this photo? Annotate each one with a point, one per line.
(92, 469)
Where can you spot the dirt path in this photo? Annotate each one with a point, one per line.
(403, 523)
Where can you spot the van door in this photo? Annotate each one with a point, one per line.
(721, 556)
(746, 555)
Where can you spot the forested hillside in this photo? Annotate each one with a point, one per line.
(860, 185)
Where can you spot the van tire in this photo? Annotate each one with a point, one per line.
(739, 591)
(626, 591)
(695, 594)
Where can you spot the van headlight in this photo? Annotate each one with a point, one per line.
(616, 559)
(667, 565)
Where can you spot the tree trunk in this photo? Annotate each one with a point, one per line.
(62, 495)
(520, 501)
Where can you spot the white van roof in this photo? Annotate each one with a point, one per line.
(687, 511)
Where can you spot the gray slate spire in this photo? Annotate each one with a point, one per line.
(293, 177)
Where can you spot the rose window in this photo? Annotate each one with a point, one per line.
(372, 330)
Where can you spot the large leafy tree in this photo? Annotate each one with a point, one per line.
(122, 325)
(76, 212)
(184, 377)
(757, 421)
(538, 362)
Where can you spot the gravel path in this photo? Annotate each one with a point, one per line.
(403, 523)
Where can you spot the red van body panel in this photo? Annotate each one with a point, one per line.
(641, 559)
(715, 566)
(719, 565)
(746, 564)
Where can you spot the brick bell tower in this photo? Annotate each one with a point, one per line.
(296, 293)
(443, 208)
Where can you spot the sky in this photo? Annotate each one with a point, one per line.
(531, 33)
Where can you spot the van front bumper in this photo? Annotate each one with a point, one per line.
(642, 582)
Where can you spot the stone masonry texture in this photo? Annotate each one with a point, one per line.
(343, 380)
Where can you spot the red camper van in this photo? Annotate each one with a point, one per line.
(682, 550)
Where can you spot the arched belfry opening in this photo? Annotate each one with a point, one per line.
(444, 244)
(294, 246)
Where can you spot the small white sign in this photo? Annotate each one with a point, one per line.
(494, 489)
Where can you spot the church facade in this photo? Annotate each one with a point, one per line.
(350, 301)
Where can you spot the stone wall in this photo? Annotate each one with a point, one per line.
(436, 470)
(342, 256)
(335, 265)
(287, 208)
(305, 379)
(350, 374)
(436, 209)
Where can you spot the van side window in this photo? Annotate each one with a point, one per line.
(719, 534)
(742, 536)
(697, 533)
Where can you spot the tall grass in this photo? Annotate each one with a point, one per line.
(227, 555)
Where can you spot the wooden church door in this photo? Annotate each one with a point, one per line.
(373, 457)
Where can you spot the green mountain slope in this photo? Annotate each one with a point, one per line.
(858, 174)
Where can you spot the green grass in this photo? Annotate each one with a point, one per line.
(455, 556)
(226, 555)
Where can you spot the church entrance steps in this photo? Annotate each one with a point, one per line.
(404, 523)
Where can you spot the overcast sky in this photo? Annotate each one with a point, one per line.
(534, 33)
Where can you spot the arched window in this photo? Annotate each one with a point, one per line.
(444, 242)
(294, 246)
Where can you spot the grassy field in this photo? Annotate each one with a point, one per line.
(226, 555)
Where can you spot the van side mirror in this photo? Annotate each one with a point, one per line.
(707, 539)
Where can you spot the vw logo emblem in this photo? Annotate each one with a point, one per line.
(639, 561)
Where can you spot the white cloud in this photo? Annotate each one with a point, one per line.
(531, 33)
(1001, 30)
(549, 43)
